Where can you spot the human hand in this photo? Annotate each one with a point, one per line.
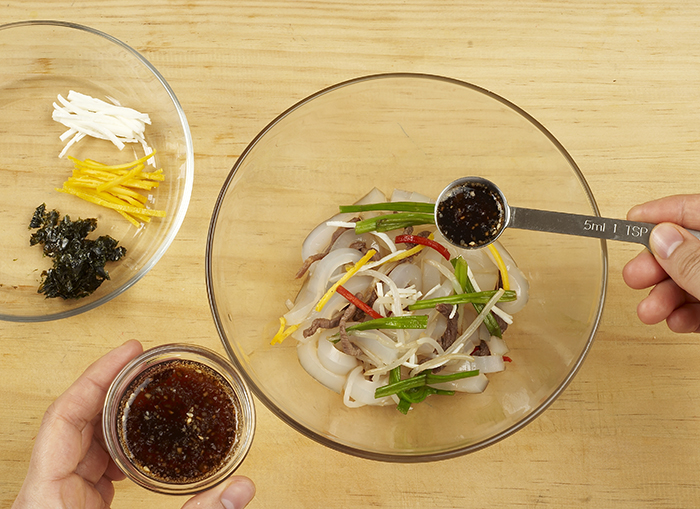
(70, 467)
(673, 266)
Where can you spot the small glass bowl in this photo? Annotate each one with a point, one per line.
(39, 60)
(130, 382)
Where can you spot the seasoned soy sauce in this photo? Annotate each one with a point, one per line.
(471, 215)
(178, 421)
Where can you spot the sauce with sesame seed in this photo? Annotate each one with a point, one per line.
(178, 421)
(471, 215)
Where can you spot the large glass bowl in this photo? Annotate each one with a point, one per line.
(418, 133)
(38, 61)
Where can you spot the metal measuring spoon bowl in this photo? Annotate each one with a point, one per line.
(472, 212)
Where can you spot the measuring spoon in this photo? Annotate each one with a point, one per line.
(472, 212)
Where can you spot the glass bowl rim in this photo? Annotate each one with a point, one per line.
(355, 451)
(181, 211)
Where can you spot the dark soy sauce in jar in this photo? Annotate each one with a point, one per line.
(471, 215)
(178, 421)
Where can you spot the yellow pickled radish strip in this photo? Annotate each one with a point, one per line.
(121, 179)
(284, 332)
(128, 194)
(129, 218)
(117, 187)
(95, 164)
(133, 218)
(351, 272)
(99, 201)
(501, 266)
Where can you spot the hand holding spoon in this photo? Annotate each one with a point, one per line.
(472, 212)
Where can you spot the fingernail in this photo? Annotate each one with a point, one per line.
(664, 240)
(238, 494)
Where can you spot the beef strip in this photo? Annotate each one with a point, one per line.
(307, 263)
(361, 246)
(450, 334)
(322, 323)
(501, 322)
(345, 344)
(359, 314)
(481, 350)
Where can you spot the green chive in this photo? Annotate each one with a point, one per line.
(392, 322)
(420, 381)
(462, 298)
(460, 266)
(388, 222)
(398, 206)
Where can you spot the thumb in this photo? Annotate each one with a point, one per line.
(678, 253)
(235, 493)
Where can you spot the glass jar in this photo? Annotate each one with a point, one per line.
(178, 419)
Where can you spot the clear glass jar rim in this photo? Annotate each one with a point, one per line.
(153, 357)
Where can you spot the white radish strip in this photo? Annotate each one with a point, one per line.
(382, 261)
(432, 291)
(340, 224)
(379, 351)
(424, 340)
(380, 370)
(396, 307)
(74, 139)
(67, 134)
(498, 311)
(459, 342)
(472, 279)
(504, 316)
(93, 117)
(440, 360)
(449, 275)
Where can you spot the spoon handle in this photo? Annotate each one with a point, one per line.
(582, 225)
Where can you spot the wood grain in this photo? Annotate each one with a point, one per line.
(616, 83)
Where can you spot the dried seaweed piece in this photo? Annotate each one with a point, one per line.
(78, 262)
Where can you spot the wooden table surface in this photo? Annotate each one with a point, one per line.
(618, 83)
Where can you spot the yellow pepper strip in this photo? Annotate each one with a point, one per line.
(283, 333)
(501, 266)
(406, 254)
(351, 272)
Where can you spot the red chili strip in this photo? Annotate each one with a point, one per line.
(417, 239)
(507, 359)
(357, 302)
